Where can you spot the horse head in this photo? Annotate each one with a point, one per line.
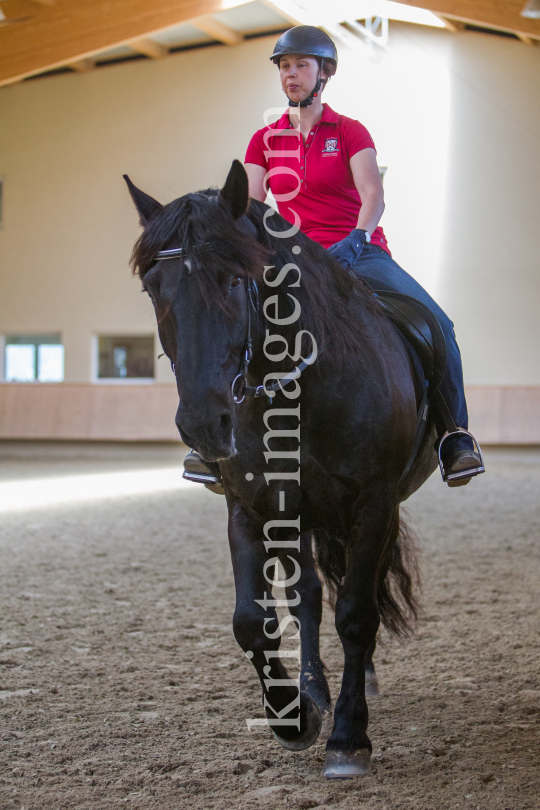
(194, 258)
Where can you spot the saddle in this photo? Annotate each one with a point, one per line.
(421, 330)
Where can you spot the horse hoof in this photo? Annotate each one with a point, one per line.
(309, 736)
(340, 765)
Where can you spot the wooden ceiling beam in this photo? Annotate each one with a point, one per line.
(13, 9)
(72, 30)
(217, 30)
(502, 16)
(4, 22)
(286, 12)
(149, 47)
(82, 65)
(453, 25)
(527, 40)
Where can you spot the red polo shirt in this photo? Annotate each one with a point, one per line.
(314, 179)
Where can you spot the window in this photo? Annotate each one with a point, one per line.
(28, 358)
(125, 357)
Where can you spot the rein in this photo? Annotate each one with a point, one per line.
(239, 387)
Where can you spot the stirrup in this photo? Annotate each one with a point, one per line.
(211, 482)
(203, 475)
(200, 478)
(462, 477)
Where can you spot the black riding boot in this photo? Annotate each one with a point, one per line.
(459, 460)
(199, 471)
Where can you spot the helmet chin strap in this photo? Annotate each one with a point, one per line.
(314, 93)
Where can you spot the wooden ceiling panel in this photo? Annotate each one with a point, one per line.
(499, 14)
(41, 35)
(71, 30)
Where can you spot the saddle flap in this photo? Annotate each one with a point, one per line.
(420, 328)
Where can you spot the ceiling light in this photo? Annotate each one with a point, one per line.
(532, 9)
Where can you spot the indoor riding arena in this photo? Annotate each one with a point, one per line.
(121, 681)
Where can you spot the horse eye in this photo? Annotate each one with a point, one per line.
(235, 283)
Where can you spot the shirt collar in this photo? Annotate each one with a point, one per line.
(328, 117)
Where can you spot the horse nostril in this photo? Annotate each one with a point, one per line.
(225, 423)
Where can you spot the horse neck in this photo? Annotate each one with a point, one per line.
(271, 339)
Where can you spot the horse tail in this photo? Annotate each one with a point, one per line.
(399, 580)
(331, 558)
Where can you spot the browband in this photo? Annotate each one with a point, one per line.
(244, 224)
(173, 253)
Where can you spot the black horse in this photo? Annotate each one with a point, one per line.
(292, 379)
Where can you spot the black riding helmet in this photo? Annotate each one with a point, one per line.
(306, 40)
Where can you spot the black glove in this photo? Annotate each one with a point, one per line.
(349, 249)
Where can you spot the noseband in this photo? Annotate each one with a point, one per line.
(239, 387)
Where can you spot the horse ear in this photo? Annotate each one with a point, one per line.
(235, 192)
(145, 205)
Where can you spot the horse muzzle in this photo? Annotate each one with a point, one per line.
(212, 437)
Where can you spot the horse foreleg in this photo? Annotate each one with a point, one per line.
(357, 621)
(292, 714)
(309, 615)
(372, 682)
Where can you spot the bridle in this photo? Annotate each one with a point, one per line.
(239, 387)
(174, 253)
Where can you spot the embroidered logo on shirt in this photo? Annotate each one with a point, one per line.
(330, 145)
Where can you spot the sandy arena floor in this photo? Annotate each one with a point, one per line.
(121, 683)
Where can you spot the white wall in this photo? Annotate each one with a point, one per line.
(455, 117)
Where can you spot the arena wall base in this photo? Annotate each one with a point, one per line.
(145, 413)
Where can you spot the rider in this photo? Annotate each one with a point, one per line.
(335, 160)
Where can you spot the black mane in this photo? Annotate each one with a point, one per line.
(202, 225)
